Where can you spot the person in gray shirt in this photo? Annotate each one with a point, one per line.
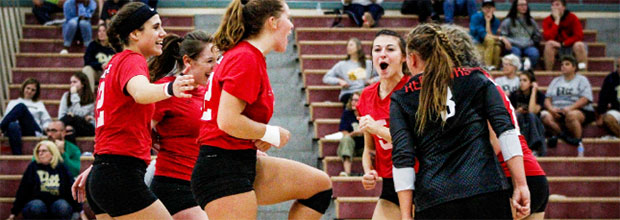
(510, 81)
(568, 103)
(353, 73)
(522, 31)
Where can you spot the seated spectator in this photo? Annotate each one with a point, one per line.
(25, 116)
(563, 34)
(110, 7)
(609, 102)
(364, 13)
(69, 152)
(43, 10)
(45, 188)
(528, 103)
(522, 33)
(483, 28)
(452, 8)
(427, 10)
(77, 17)
(568, 103)
(509, 82)
(353, 73)
(77, 107)
(352, 142)
(97, 55)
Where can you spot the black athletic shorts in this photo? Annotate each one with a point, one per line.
(388, 192)
(219, 173)
(493, 205)
(539, 192)
(116, 185)
(589, 116)
(175, 194)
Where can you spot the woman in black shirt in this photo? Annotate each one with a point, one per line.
(528, 102)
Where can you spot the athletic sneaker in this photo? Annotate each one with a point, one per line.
(343, 174)
(64, 51)
(569, 139)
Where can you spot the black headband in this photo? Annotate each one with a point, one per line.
(136, 20)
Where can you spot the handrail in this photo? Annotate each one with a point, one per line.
(11, 21)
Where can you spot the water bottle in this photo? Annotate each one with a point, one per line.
(580, 150)
(318, 8)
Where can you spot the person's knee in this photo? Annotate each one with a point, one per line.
(61, 209)
(34, 209)
(14, 127)
(573, 116)
(318, 202)
(609, 119)
(578, 46)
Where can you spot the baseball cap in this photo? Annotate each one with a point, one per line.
(488, 2)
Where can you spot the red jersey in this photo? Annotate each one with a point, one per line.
(530, 164)
(379, 109)
(178, 128)
(241, 72)
(123, 127)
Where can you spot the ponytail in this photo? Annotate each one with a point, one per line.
(161, 65)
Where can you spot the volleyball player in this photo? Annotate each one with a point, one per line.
(229, 181)
(440, 117)
(114, 183)
(535, 175)
(388, 58)
(176, 123)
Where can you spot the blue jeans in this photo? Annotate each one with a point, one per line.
(16, 123)
(356, 11)
(70, 27)
(37, 209)
(458, 7)
(531, 52)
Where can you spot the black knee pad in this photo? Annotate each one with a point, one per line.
(319, 202)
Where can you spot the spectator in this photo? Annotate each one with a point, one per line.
(509, 82)
(45, 188)
(458, 7)
(483, 28)
(352, 142)
(77, 15)
(110, 7)
(97, 55)
(150, 3)
(528, 102)
(365, 13)
(568, 103)
(522, 33)
(425, 9)
(353, 73)
(43, 9)
(77, 107)
(609, 102)
(563, 33)
(25, 116)
(69, 152)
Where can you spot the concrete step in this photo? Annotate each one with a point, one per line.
(368, 34)
(55, 32)
(86, 144)
(348, 186)
(327, 61)
(386, 21)
(553, 166)
(35, 45)
(314, 77)
(594, 147)
(17, 164)
(58, 75)
(558, 207)
(325, 110)
(166, 19)
(75, 60)
(330, 93)
(595, 49)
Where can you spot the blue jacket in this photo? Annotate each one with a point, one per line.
(477, 26)
(72, 12)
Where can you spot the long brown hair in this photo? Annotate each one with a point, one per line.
(86, 94)
(174, 49)
(243, 19)
(434, 47)
(36, 83)
(361, 55)
(401, 45)
(118, 21)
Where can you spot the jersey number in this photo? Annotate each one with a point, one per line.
(206, 112)
(100, 95)
(450, 110)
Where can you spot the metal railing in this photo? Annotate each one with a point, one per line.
(11, 21)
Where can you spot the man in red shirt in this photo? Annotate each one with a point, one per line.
(563, 32)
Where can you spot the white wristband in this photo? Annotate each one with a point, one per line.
(166, 89)
(272, 135)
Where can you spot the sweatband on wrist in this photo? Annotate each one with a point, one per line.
(168, 89)
(272, 136)
(510, 144)
(404, 178)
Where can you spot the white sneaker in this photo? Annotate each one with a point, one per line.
(582, 66)
(64, 51)
(334, 136)
(343, 174)
(54, 22)
(527, 64)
